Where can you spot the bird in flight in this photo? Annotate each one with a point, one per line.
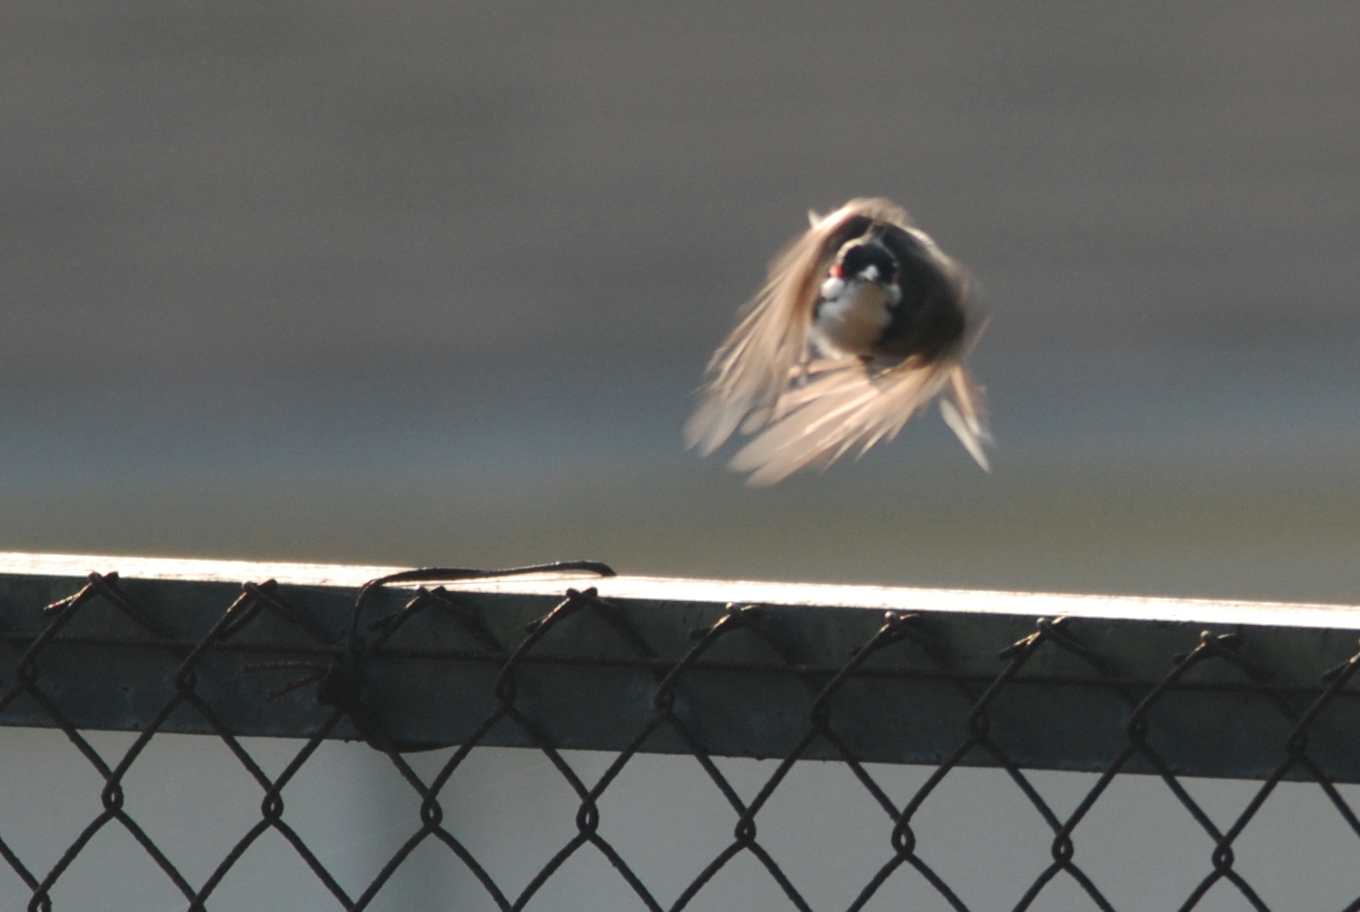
(861, 322)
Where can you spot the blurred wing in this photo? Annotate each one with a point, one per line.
(962, 410)
(750, 369)
(843, 406)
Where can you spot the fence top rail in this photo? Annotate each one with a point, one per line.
(1224, 687)
(900, 598)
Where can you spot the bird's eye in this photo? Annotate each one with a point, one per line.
(853, 261)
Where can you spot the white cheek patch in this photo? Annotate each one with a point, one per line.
(833, 287)
(870, 273)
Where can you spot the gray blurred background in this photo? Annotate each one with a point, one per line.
(434, 283)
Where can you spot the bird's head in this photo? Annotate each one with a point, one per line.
(865, 261)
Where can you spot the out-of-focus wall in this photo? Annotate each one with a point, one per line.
(434, 283)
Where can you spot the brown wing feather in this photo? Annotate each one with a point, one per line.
(851, 408)
(963, 412)
(750, 369)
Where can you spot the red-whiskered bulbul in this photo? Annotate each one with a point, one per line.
(861, 322)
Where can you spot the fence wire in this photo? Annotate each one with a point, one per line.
(337, 672)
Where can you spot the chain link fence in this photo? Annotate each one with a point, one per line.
(563, 657)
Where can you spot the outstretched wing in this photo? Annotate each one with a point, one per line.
(846, 406)
(962, 409)
(751, 368)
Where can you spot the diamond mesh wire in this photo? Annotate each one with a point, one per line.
(339, 672)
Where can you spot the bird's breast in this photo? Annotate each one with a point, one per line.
(850, 317)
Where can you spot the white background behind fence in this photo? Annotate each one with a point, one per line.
(514, 811)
